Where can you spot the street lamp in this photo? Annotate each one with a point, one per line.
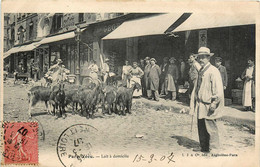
(77, 32)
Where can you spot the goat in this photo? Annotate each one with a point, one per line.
(36, 94)
(125, 96)
(89, 99)
(57, 99)
(60, 100)
(72, 95)
(109, 99)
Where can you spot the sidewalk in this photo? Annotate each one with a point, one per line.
(233, 114)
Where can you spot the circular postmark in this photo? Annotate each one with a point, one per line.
(20, 141)
(41, 132)
(74, 145)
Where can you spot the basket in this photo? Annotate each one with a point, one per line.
(237, 100)
(236, 93)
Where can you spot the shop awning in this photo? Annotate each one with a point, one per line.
(215, 20)
(57, 38)
(11, 51)
(17, 49)
(29, 47)
(153, 25)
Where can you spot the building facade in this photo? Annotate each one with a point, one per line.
(22, 29)
(55, 38)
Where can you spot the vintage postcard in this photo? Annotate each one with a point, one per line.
(129, 83)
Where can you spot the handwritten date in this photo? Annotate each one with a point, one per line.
(152, 158)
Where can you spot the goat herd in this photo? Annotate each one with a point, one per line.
(88, 97)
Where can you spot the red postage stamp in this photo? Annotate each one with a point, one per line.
(20, 143)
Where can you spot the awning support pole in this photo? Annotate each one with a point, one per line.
(87, 45)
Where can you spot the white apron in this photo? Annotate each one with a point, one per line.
(247, 93)
(136, 93)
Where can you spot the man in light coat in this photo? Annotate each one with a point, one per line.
(207, 100)
(154, 77)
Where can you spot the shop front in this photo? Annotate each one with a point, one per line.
(98, 50)
(231, 37)
(147, 36)
(20, 57)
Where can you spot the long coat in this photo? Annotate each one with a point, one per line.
(223, 73)
(146, 76)
(172, 77)
(164, 69)
(154, 77)
(210, 91)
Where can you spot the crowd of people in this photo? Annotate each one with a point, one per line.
(164, 80)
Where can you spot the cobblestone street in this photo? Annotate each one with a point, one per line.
(149, 129)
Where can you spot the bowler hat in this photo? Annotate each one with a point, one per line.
(204, 51)
(172, 58)
(147, 58)
(153, 59)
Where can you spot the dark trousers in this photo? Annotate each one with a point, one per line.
(162, 89)
(208, 134)
(143, 87)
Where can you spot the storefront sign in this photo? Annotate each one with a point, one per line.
(104, 30)
(110, 28)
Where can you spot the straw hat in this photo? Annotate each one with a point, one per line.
(106, 59)
(153, 59)
(204, 51)
(59, 61)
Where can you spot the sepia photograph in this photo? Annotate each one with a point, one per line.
(128, 89)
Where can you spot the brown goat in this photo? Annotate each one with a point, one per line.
(125, 96)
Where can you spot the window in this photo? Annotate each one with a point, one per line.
(20, 34)
(18, 16)
(81, 17)
(57, 21)
(30, 30)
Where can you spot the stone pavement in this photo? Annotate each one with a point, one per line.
(233, 114)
